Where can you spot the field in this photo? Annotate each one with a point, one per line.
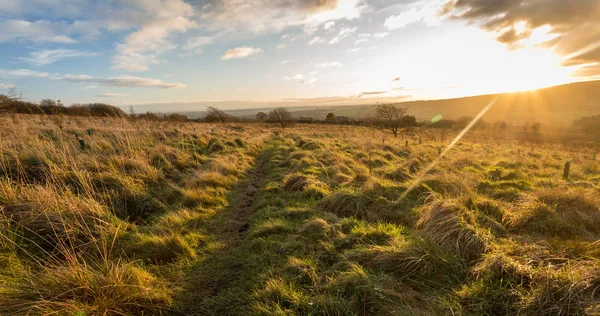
(117, 217)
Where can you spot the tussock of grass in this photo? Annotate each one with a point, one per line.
(556, 212)
(96, 286)
(452, 226)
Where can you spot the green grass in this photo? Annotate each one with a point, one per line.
(171, 219)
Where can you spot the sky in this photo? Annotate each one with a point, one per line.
(175, 55)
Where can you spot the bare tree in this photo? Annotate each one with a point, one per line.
(391, 116)
(281, 116)
(10, 96)
(218, 114)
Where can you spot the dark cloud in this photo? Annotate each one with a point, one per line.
(576, 24)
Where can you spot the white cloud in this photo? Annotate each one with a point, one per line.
(316, 40)
(123, 81)
(344, 32)
(330, 64)
(329, 25)
(284, 62)
(141, 48)
(364, 35)
(294, 77)
(240, 52)
(360, 41)
(111, 95)
(275, 15)
(45, 57)
(426, 14)
(24, 73)
(119, 81)
(314, 73)
(195, 44)
(355, 49)
(89, 87)
(38, 31)
(281, 46)
(381, 35)
(310, 81)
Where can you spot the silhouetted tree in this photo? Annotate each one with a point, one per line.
(261, 116)
(330, 118)
(536, 127)
(391, 116)
(215, 114)
(281, 116)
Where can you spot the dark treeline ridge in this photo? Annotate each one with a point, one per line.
(589, 125)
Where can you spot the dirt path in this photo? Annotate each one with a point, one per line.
(221, 283)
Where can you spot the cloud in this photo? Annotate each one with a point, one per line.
(314, 73)
(572, 27)
(355, 49)
(316, 40)
(310, 81)
(38, 31)
(344, 32)
(422, 12)
(47, 56)
(195, 44)
(294, 77)
(89, 87)
(283, 62)
(281, 46)
(275, 15)
(141, 48)
(381, 35)
(329, 25)
(370, 93)
(240, 52)
(122, 81)
(24, 73)
(111, 95)
(360, 41)
(119, 81)
(330, 64)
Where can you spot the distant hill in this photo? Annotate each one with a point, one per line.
(558, 105)
(554, 105)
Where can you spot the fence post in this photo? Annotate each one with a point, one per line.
(567, 169)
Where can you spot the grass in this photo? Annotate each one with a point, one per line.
(171, 218)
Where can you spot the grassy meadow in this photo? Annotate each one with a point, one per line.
(118, 217)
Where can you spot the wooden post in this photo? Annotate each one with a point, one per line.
(566, 172)
(406, 143)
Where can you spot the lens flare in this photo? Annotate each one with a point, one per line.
(418, 179)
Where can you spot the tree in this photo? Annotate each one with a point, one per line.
(330, 118)
(281, 116)
(261, 116)
(215, 114)
(391, 116)
(536, 128)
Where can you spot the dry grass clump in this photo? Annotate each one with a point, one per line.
(158, 249)
(451, 225)
(297, 182)
(348, 202)
(418, 263)
(572, 213)
(92, 287)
